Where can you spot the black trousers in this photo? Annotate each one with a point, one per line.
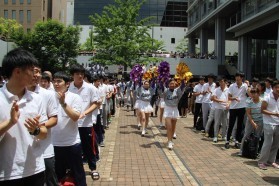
(50, 175)
(34, 180)
(87, 146)
(99, 129)
(239, 115)
(198, 111)
(113, 105)
(69, 157)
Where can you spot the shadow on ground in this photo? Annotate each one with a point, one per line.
(157, 144)
(251, 163)
(271, 180)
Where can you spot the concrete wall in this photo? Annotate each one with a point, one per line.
(70, 12)
(160, 33)
(4, 48)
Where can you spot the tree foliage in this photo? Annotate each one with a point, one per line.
(89, 44)
(182, 45)
(53, 44)
(9, 28)
(120, 36)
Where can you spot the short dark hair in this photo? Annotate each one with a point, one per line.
(241, 74)
(88, 76)
(45, 76)
(274, 83)
(201, 78)
(255, 90)
(268, 79)
(211, 76)
(62, 75)
(77, 68)
(222, 78)
(95, 78)
(17, 58)
(262, 84)
(255, 79)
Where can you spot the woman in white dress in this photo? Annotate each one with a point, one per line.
(136, 102)
(145, 94)
(172, 96)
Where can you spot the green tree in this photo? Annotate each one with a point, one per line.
(9, 28)
(182, 45)
(88, 45)
(53, 44)
(120, 36)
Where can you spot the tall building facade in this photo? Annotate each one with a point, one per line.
(253, 23)
(166, 13)
(28, 12)
(169, 18)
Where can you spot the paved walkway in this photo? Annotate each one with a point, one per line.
(129, 159)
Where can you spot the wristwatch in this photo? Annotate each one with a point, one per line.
(36, 132)
(64, 105)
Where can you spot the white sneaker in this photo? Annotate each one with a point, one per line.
(161, 125)
(170, 145)
(215, 139)
(174, 136)
(139, 125)
(143, 133)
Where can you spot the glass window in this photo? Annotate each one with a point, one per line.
(13, 14)
(29, 1)
(21, 1)
(6, 14)
(14, 1)
(249, 7)
(6, 1)
(21, 16)
(28, 16)
(172, 40)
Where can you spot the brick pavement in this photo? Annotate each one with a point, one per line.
(129, 159)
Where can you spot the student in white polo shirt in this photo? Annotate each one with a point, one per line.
(89, 106)
(21, 155)
(237, 95)
(270, 110)
(65, 135)
(207, 90)
(198, 102)
(221, 103)
(50, 107)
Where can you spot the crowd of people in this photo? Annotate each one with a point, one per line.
(50, 125)
(228, 111)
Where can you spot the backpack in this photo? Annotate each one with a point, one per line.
(250, 147)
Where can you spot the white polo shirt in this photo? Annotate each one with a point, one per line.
(88, 96)
(103, 88)
(198, 88)
(206, 87)
(240, 93)
(110, 89)
(268, 90)
(65, 133)
(21, 154)
(221, 95)
(50, 105)
(272, 106)
(97, 111)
